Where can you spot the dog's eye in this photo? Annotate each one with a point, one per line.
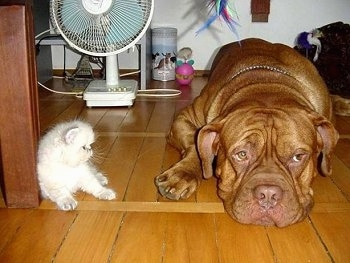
(240, 156)
(298, 157)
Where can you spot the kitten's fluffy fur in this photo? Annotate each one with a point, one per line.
(64, 167)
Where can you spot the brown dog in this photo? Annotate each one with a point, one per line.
(264, 120)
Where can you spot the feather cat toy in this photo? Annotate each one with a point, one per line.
(221, 9)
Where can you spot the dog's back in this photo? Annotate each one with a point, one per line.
(236, 59)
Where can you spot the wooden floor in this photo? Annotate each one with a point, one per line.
(140, 226)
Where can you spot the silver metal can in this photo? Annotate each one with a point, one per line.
(164, 48)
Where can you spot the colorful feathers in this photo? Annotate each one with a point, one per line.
(221, 9)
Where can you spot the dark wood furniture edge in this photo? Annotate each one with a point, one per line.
(19, 117)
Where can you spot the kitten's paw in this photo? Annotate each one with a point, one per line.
(107, 194)
(102, 179)
(67, 204)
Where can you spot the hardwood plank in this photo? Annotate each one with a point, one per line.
(178, 207)
(325, 191)
(342, 151)
(72, 112)
(191, 92)
(242, 243)
(112, 120)
(207, 191)
(51, 114)
(297, 243)
(162, 116)
(149, 161)
(92, 115)
(141, 238)
(341, 177)
(333, 229)
(138, 117)
(342, 124)
(140, 134)
(102, 147)
(190, 238)
(39, 237)
(120, 163)
(162, 85)
(46, 95)
(331, 207)
(90, 238)
(10, 221)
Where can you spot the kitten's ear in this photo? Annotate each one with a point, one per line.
(70, 135)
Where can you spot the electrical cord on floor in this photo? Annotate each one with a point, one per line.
(160, 93)
(77, 94)
(44, 32)
(140, 93)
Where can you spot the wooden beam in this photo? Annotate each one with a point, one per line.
(176, 207)
(19, 122)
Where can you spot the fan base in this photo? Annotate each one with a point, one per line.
(98, 94)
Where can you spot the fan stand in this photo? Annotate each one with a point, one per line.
(112, 91)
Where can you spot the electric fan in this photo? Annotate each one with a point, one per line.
(104, 28)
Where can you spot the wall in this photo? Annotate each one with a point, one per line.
(41, 23)
(287, 19)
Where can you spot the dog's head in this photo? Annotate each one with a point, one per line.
(265, 161)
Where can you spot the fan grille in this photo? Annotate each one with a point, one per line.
(110, 32)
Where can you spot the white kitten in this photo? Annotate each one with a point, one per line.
(64, 167)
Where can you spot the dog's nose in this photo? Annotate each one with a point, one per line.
(268, 196)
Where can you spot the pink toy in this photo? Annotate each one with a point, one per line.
(184, 71)
(184, 74)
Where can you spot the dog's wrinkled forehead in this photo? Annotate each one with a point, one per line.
(276, 127)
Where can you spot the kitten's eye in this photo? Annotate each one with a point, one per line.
(86, 148)
(241, 156)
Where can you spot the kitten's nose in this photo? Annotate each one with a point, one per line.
(87, 148)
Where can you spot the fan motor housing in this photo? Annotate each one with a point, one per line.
(97, 7)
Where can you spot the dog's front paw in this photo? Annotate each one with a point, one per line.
(107, 194)
(67, 203)
(176, 185)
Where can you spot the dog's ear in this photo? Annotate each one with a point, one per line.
(208, 145)
(327, 138)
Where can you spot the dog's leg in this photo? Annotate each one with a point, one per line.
(183, 178)
(341, 105)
